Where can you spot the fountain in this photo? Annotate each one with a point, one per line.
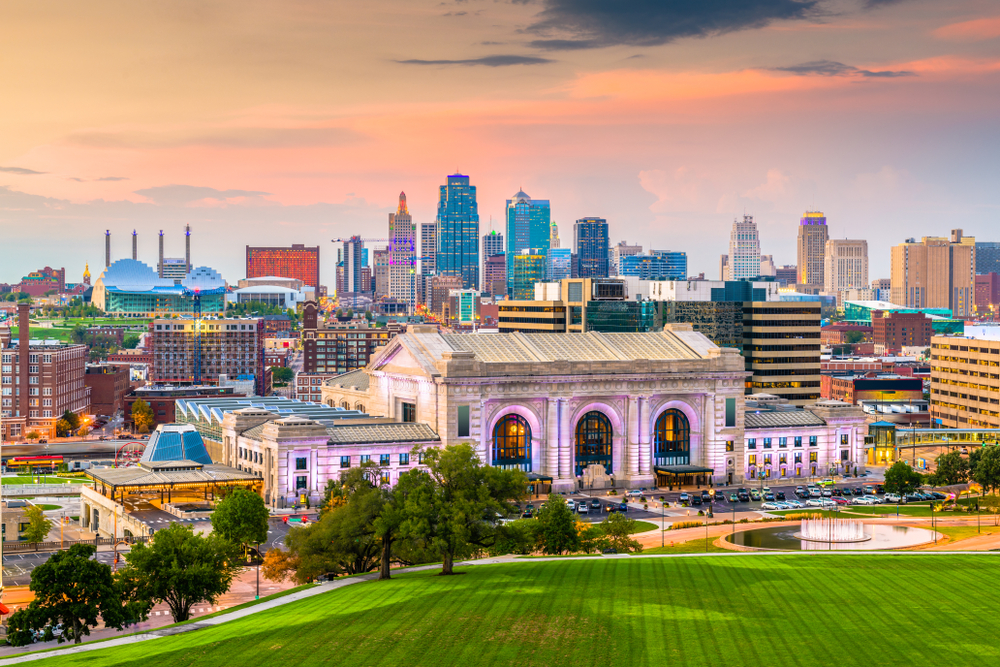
(832, 530)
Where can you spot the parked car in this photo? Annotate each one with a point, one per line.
(869, 489)
(801, 493)
(913, 498)
(858, 491)
(827, 493)
(874, 500)
(634, 494)
(743, 495)
(754, 494)
(794, 504)
(571, 504)
(696, 500)
(595, 504)
(839, 500)
(860, 501)
(623, 507)
(814, 502)
(768, 496)
(939, 496)
(706, 496)
(770, 506)
(892, 498)
(733, 498)
(684, 498)
(583, 509)
(780, 495)
(815, 493)
(827, 502)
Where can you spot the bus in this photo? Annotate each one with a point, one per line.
(38, 464)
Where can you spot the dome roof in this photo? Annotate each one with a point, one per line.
(204, 278)
(133, 276)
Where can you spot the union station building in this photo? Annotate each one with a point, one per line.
(573, 410)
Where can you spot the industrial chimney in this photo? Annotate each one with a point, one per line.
(135, 246)
(107, 248)
(187, 247)
(160, 269)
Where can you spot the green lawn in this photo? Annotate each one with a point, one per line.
(46, 508)
(699, 546)
(626, 611)
(26, 479)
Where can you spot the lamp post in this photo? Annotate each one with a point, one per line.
(257, 597)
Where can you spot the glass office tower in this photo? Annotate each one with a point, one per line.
(458, 231)
(590, 238)
(529, 225)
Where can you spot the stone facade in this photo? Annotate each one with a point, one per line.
(463, 385)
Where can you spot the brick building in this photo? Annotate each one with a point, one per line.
(299, 262)
(39, 381)
(987, 293)
(277, 325)
(108, 385)
(339, 347)
(871, 387)
(231, 347)
(161, 400)
(894, 330)
(37, 283)
(836, 334)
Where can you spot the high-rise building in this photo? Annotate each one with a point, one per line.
(622, 249)
(41, 380)
(495, 276)
(440, 289)
(987, 257)
(936, 273)
(458, 231)
(987, 293)
(744, 250)
(402, 255)
(781, 346)
(428, 248)
(332, 346)
(590, 239)
(231, 347)
(380, 273)
(845, 265)
(493, 245)
(529, 226)
(554, 235)
(529, 267)
(961, 393)
(724, 270)
(786, 275)
(298, 261)
(353, 261)
(767, 267)
(560, 264)
(660, 265)
(813, 235)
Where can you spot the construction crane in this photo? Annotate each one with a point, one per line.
(196, 293)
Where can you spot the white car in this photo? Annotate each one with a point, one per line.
(892, 498)
(861, 501)
(814, 502)
(571, 504)
(582, 508)
(634, 494)
(826, 502)
(770, 506)
(793, 504)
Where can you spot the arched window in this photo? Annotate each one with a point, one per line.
(359, 407)
(512, 443)
(672, 439)
(345, 405)
(593, 442)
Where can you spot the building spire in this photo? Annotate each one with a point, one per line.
(402, 210)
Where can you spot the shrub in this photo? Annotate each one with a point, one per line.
(685, 524)
(798, 516)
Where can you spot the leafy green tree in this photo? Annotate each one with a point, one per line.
(72, 419)
(38, 525)
(388, 525)
(950, 468)
(63, 428)
(556, 527)
(618, 530)
(987, 473)
(72, 589)
(515, 537)
(281, 374)
(455, 505)
(592, 537)
(142, 416)
(182, 569)
(130, 341)
(241, 517)
(33, 435)
(901, 479)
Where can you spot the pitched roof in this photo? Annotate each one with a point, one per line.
(141, 476)
(357, 379)
(780, 418)
(378, 433)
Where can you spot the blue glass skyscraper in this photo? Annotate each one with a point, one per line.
(590, 238)
(458, 231)
(529, 225)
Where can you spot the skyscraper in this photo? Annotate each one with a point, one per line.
(623, 249)
(590, 239)
(529, 225)
(353, 263)
(935, 273)
(846, 265)
(560, 264)
(813, 235)
(529, 267)
(987, 257)
(554, 235)
(458, 231)
(744, 250)
(402, 252)
(493, 245)
(428, 248)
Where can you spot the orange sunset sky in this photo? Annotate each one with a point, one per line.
(277, 122)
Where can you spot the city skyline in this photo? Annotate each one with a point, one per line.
(876, 113)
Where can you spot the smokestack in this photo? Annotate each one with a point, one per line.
(161, 254)
(107, 248)
(23, 344)
(135, 246)
(187, 247)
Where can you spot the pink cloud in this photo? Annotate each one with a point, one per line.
(976, 30)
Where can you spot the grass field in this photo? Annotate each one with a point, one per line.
(27, 479)
(699, 546)
(718, 611)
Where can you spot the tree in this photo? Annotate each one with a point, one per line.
(241, 517)
(72, 419)
(182, 569)
(901, 479)
(455, 505)
(33, 435)
(852, 337)
(282, 374)
(130, 341)
(142, 415)
(556, 527)
(388, 525)
(988, 468)
(950, 468)
(38, 525)
(73, 589)
(63, 428)
(278, 565)
(591, 536)
(618, 530)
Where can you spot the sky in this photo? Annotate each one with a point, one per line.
(267, 123)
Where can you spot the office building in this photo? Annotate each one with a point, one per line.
(39, 283)
(659, 265)
(881, 289)
(712, 290)
(767, 267)
(39, 380)
(528, 267)
(458, 231)
(622, 249)
(492, 246)
(845, 265)
(440, 289)
(987, 257)
(297, 261)
(887, 387)
(962, 395)
(402, 256)
(936, 272)
(590, 240)
(332, 346)
(495, 275)
(529, 226)
(463, 305)
(724, 271)
(567, 400)
(781, 345)
(560, 264)
(428, 248)
(811, 251)
(380, 273)
(554, 235)
(987, 292)
(744, 251)
(108, 385)
(129, 288)
(894, 330)
(228, 349)
(786, 275)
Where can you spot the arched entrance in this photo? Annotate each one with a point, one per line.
(512, 443)
(594, 436)
(672, 439)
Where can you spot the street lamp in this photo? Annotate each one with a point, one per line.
(258, 572)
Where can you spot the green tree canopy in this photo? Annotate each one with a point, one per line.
(142, 416)
(618, 530)
(72, 589)
(182, 569)
(950, 468)
(282, 374)
(38, 525)
(241, 517)
(901, 479)
(556, 527)
(63, 428)
(987, 473)
(455, 505)
(72, 419)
